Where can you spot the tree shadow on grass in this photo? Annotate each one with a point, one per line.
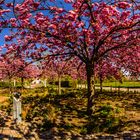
(70, 106)
(129, 101)
(2, 136)
(11, 130)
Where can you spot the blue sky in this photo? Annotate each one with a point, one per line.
(6, 31)
(2, 34)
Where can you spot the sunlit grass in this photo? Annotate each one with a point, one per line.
(124, 84)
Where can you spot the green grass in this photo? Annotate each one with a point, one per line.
(124, 84)
(46, 110)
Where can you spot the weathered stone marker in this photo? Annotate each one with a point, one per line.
(17, 106)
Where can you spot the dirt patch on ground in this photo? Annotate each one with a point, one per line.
(3, 99)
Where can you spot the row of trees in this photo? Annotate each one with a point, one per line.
(94, 36)
(17, 68)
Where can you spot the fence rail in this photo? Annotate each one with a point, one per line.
(111, 88)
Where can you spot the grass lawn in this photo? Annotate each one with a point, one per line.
(66, 113)
(124, 84)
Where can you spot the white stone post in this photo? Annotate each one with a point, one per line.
(17, 109)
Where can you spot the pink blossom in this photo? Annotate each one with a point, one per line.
(124, 5)
(7, 38)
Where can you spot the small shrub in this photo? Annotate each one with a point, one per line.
(83, 130)
(117, 110)
(5, 84)
(64, 83)
(106, 110)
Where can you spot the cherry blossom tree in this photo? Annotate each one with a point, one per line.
(130, 62)
(17, 68)
(87, 30)
(30, 71)
(57, 68)
(106, 69)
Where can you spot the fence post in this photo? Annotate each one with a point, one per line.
(111, 88)
(128, 89)
(118, 89)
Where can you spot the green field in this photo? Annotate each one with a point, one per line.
(47, 111)
(124, 84)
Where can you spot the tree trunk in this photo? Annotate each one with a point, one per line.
(10, 86)
(59, 85)
(90, 88)
(85, 85)
(80, 85)
(45, 83)
(101, 83)
(14, 83)
(22, 82)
